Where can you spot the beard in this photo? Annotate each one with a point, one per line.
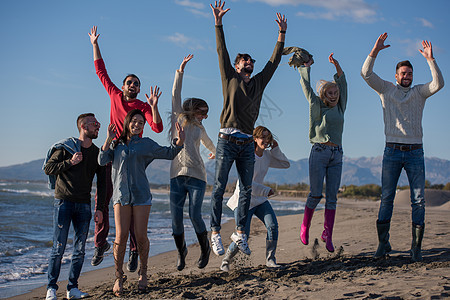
(131, 95)
(248, 70)
(404, 84)
(92, 135)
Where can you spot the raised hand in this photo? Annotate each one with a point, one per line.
(336, 64)
(181, 134)
(309, 63)
(427, 51)
(112, 131)
(154, 96)
(93, 35)
(379, 45)
(281, 21)
(185, 61)
(218, 11)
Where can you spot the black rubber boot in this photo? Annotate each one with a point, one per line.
(416, 245)
(182, 251)
(383, 239)
(206, 249)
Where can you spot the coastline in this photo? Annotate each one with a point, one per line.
(308, 271)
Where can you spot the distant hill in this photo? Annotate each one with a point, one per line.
(357, 171)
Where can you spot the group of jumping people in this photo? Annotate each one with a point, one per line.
(121, 162)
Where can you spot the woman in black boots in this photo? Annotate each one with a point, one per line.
(187, 171)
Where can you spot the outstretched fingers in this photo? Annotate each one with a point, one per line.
(93, 35)
(281, 21)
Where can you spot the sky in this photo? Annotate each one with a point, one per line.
(48, 78)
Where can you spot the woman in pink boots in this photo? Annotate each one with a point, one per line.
(326, 124)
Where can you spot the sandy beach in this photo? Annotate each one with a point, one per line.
(307, 272)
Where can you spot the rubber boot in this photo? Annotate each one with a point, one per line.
(182, 251)
(304, 229)
(383, 239)
(225, 266)
(143, 249)
(119, 254)
(206, 249)
(416, 245)
(271, 249)
(328, 225)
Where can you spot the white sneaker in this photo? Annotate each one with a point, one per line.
(217, 246)
(241, 240)
(75, 293)
(51, 294)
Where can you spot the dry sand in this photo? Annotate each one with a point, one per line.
(308, 272)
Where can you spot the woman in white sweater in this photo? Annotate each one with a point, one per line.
(187, 171)
(259, 204)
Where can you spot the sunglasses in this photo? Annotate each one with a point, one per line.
(96, 124)
(248, 58)
(135, 83)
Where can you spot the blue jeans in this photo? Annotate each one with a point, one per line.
(265, 213)
(228, 152)
(195, 188)
(324, 162)
(80, 215)
(413, 163)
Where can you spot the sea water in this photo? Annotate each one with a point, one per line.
(26, 231)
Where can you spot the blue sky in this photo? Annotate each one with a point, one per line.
(48, 77)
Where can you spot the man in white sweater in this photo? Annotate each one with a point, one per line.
(402, 111)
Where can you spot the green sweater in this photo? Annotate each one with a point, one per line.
(241, 100)
(325, 124)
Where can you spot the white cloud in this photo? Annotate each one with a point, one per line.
(190, 4)
(357, 10)
(425, 23)
(182, 40)
(195, 8)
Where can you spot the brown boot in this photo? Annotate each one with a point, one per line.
(119, 253)
(143, 249)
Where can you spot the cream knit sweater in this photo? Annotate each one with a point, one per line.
(402, 107)
(189, 161)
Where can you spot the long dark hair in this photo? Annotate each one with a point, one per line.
(126, 124)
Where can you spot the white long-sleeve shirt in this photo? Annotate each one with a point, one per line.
(402, 106)
(272, 158)
(189, 161)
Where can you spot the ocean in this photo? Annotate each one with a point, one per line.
(26, 217)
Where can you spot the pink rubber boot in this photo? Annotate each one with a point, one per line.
(304, 229)
(328, 232)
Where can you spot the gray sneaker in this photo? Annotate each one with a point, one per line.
(241, 240)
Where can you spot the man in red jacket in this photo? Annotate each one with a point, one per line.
(122, 101)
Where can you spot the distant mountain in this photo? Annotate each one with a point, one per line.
(357, 171)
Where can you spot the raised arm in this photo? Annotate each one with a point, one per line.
(218, 11)
(282, 26)
(437, 82)
(372, 79)
(153, 102)
(94, 41)
(379, 45)
(112, 131)
(332, 60)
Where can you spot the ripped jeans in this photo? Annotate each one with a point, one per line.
(227, 153)
(66, 212)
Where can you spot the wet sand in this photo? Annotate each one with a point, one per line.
(307, 272)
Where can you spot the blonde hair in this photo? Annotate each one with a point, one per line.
(323, 86)
(189, 108)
